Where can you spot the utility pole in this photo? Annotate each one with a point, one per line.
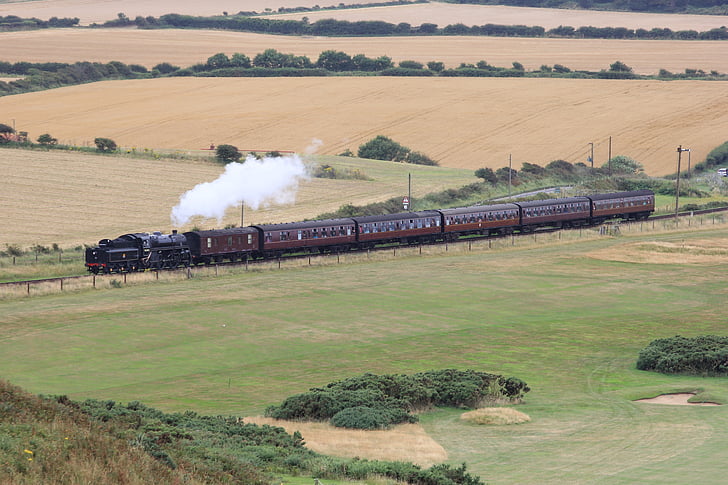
(610, 155)
(242, 213)
(510, 163)
(409, 188)
(677, 184)
(591, 157)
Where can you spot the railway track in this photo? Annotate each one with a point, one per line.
(66, 279)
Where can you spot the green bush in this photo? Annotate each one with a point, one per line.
(373, 401)
(702, 355)
(105, 145)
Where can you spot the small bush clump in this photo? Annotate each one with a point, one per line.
(376, 401)
(702, 355)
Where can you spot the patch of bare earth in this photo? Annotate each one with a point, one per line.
(678, 399)
(406, 442)
(708, 251)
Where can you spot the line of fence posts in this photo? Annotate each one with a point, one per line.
(611, 229)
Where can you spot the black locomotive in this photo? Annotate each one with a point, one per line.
(142, 251)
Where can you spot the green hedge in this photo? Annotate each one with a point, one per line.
(702, 355)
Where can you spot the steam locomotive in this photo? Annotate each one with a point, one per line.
(143, 251)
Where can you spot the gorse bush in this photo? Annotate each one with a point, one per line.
(375, 401)
(98, 441)
(702, 355)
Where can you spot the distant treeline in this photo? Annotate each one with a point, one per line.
(271, 63)
(345, 28)
(664, 6)
(48, 75)
(13, 22)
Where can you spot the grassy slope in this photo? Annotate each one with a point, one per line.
(521, 311)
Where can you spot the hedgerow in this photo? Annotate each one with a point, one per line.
(702, 355)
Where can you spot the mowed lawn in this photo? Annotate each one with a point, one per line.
(568, 318)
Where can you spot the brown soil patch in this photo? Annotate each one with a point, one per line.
(708, 251)
(407, 442)
(679, 399)
(463, 123)
(187, 47)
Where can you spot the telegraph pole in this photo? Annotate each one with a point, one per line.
(591, 158)
(510, 163)
(677, 184)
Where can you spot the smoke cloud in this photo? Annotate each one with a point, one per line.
(256, 182)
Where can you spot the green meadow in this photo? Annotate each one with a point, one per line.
(568, 316)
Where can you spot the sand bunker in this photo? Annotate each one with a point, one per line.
(679, 399)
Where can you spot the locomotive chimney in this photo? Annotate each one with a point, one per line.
(174, 231)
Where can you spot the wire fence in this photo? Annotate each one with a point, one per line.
(46, 286)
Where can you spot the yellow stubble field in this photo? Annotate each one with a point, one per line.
(187, 47)
(461, 122)
(464, 123)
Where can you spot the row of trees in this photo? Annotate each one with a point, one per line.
(13, 22)
(272, 63)
(671, 6)
(333, 27)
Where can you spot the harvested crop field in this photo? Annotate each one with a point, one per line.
(187, 47)
(463, 123)
(73, 198)
(444, 14)
(90, 11)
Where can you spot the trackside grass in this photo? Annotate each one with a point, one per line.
(569, 318)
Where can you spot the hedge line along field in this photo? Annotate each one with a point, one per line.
(72, 198)
(567, 318)
(187, 47)
(465, 123)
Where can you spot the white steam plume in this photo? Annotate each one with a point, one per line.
(256, 182)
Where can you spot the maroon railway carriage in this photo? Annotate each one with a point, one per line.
(407, 227)
(637, 204)
(481, 219)
(237, 243)
(568, 212)
(321, 236)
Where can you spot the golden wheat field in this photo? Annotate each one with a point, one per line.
(461, 122)
(187, 47)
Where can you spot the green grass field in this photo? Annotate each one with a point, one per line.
(560, 315)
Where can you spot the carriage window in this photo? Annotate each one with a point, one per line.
(230, 241)
(209, 242)
(268, 237)
(250, 239)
